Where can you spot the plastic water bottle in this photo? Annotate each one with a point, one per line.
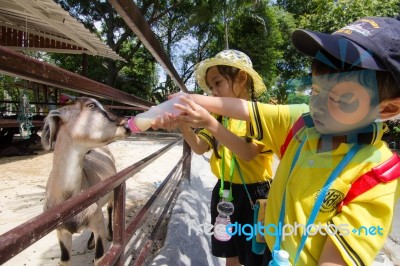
(142, 121)
(281, 258)
(224, 208)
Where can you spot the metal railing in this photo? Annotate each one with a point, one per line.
(21, 237)
(26, 234)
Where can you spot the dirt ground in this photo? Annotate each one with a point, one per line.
(23, 180)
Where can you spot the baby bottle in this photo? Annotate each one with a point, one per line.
(224, 208)
(142, 121)
(281, 258)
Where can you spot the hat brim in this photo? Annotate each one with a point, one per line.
(344, 49)
(201, 71)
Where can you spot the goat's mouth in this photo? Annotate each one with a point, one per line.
(127, 129)
(124, 124)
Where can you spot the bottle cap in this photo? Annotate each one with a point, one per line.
(132, 126)
(225, 194)
(282, 255)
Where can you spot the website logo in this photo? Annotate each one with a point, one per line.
(285, 230)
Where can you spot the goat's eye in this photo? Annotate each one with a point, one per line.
(91, 105)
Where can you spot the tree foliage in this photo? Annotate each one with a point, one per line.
(137, 75)
(191, 31)
(325, 16)
(255, 31)
(328, 16)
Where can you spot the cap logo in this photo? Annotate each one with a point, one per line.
(364, 27)
(371, 22)
(357, 28)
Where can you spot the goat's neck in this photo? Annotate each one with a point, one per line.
(68, 164)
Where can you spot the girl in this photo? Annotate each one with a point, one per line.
(230, 74)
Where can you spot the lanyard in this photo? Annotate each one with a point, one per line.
(221, 188)
(335, 173)
(233, 164)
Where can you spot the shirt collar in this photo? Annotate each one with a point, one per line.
(368, 135)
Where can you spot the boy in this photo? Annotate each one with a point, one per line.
(355, 83)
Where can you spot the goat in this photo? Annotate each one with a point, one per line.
(78, 133)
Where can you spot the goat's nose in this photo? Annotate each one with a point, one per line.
(124, 122)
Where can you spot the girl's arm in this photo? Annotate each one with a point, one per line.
(238, 145)
(198, 145)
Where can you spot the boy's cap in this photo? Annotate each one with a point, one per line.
(232, 58)
(370, 43)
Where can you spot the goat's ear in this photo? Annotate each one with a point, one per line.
(50, 129)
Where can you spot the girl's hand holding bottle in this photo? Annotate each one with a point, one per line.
(193, 114)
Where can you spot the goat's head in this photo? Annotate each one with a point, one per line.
(86, 122)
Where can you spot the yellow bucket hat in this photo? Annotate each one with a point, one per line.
(232, 58)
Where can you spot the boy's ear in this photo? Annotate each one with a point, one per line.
(389, 108)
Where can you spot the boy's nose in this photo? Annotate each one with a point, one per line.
(318, 102)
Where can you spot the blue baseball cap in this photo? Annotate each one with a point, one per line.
(370, 43)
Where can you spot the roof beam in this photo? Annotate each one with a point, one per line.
(48, 50)
(20, 65)
(38, 42)
(70, 31)
(49, 18)
(136, 21)
(38, 33)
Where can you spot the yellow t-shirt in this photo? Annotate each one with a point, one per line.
(257, 170)
(360, 229)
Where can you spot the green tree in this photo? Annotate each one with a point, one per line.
(290, 65)
(114, 31)
(172, 29)
(248, 26)
(324, 16)
(171, 20)
(191, 31)
(255, 31)
(328, 16)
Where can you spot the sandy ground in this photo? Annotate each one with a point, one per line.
(22, 185)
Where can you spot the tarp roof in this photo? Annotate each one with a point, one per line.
(50, 29)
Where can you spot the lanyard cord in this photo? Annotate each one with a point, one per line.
(277, 245)
(233, 164)
(345, 160)
(241, 177)
(221, 189)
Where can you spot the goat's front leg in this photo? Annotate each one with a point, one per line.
(96, 225)
(65, 241)
(110, 208)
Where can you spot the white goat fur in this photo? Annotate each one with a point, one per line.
(78, 133)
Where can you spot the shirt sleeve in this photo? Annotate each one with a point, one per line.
(205, 135)
(270, 124)
(365, 223)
